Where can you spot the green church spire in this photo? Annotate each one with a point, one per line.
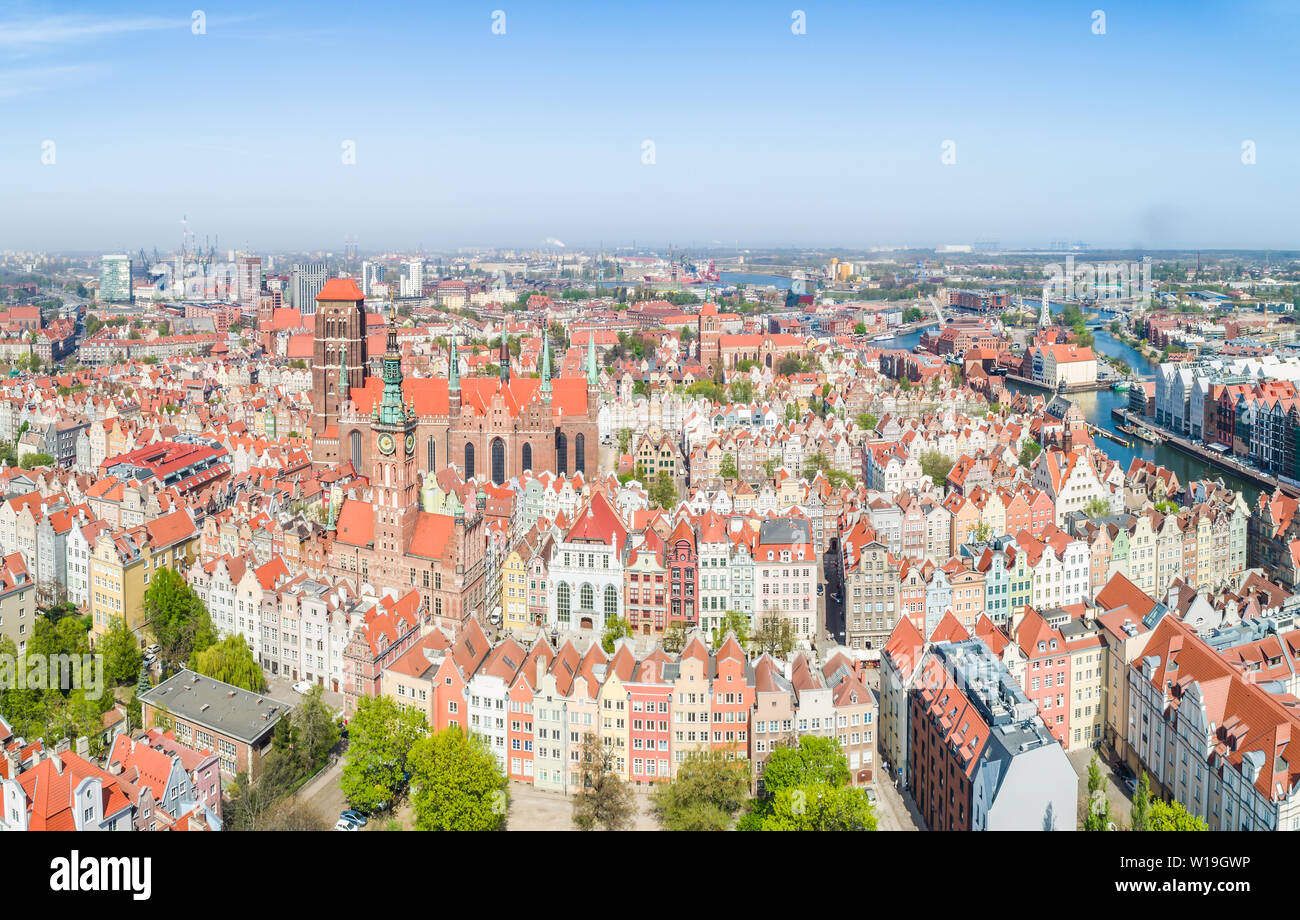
(453, 373)
(593, 376)
(546, 360)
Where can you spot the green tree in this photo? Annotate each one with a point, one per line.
(1029, 452)
(176, 617)
(867, 421)
(248, 805)
(905, 384)
(1098, 806)
(30, 461)
(615, 629)
(790, 365)
(605, 800)
(814, 760)
(727, 468)
(1173, 816)
(316, 730)
(122, 658)
(820, 807)
(231, 662)
(860, 329)
(380, 736)
(937, 466)
(674, 638)
(708, 791)
(458, 786)
(775, 635)
(663, 494)
(301, 745)
(742, 391)
(1140, 814)
(732, 621)
(624, 440)
(1096, 507)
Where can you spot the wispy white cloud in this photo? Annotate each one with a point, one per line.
(29, 80)
(51, 31)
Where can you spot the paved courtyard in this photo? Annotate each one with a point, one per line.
(1120, 803)
(534, 810)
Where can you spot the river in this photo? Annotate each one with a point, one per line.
(1096, 407)
(780, 282)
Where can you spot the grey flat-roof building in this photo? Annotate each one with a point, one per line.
(234, 723)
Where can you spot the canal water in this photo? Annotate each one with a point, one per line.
(1096, 407)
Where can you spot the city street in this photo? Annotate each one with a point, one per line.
(894, 809)
(281, 688)
(832, 610)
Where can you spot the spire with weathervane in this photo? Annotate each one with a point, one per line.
(392, 409)
(546, 361)
(504, 357)
(593, 375)
(453, 367)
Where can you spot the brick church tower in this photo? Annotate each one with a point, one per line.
(339, 350)
(393, 478)
(710, 336)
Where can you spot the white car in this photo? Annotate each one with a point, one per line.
(344, 825)
(303, 687)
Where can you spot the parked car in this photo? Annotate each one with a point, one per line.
(344, 825)
(821, 589)
(150, 660)
(1127, 779)
(303, 687)
(153, 650)
(354, 816)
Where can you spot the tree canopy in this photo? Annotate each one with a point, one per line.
(606, 800)
(231, 662)
(936, 465)
(176, 616)
(806, 788)
(458, 785)
(381, 735)
(705, 795)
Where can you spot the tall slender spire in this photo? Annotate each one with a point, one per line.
(453, 371)
(505, 357)
(392, 408)
(343, 377)
(546, 360)
(593, 376)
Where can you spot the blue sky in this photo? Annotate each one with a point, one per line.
(761, 137)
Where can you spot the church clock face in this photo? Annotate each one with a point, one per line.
(386, 443)
(410, 444)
